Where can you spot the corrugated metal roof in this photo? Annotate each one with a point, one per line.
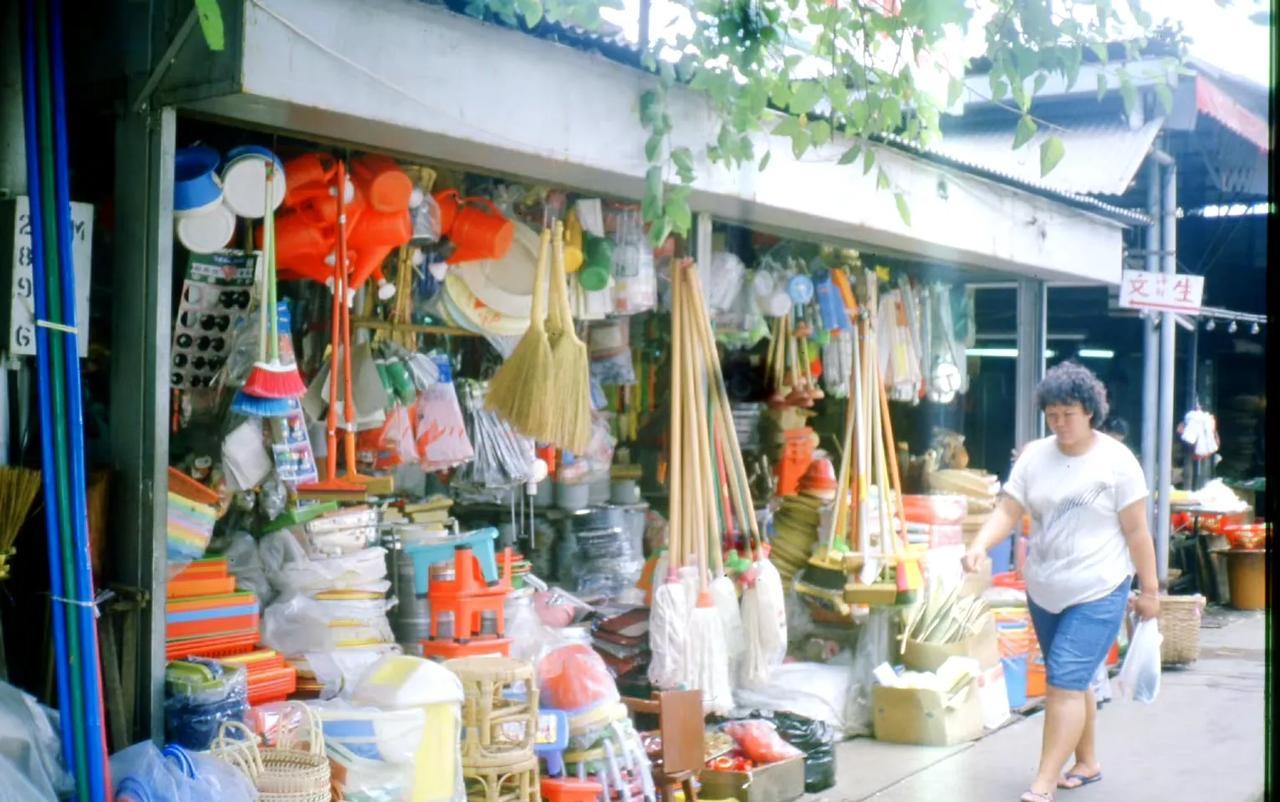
(1087, 202)
(1098, 158)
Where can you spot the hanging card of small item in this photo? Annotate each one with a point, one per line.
(291, 448)
(217, 293)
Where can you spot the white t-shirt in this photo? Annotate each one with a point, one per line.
(1077, 550)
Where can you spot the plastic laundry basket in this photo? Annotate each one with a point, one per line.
(1015, 680)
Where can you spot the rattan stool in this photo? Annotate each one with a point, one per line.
(516, 782)
(499, 721)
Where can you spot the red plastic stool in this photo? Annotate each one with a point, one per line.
(448, 649)
(570, 789)
(466, 598)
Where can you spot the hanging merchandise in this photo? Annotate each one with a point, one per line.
(635, 281)
(1199, 430)
(610, 348)
(441, 433)
(944, 357)
(217, 294)
(502, 456)
(898, 356)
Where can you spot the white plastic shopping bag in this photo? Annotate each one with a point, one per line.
(1139, 678)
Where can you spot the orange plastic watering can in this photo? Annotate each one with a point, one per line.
(386, 187)
(479, 231)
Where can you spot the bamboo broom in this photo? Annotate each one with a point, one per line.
(570, 363)
(518, 391)
(18, 489)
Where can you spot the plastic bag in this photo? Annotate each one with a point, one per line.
(872, 650)
(365, 570)
(1139, 677)
(574, 679)
(297, 624)
(817, 740)
(759, 741)
(30, 749)
(197, 702)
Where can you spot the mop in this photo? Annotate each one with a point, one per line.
(332, 487)
(709, 663)
(764, 617)
(668, 637)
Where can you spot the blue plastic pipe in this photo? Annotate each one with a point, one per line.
(49, 484)
(94, 731)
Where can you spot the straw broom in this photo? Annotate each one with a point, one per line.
(18, 489)
(570, 371)
(519, 389)
(668, 636)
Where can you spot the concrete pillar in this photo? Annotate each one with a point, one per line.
(1168, 335)
(1032, 320)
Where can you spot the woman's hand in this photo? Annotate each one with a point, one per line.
(973, 560)
(1147, 606)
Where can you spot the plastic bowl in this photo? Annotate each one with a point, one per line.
(244, 178)
(196, 187)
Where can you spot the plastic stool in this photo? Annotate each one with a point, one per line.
(448, 649)
(552, 739)
(569, 789)
(424, 555)
(466, 598)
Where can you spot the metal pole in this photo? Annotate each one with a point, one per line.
(1150, 341)
(1032, 319)
(1189, 462)
(1168, 334)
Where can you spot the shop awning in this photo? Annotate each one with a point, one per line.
(418, 80)
(1218, 104)
(1099, 158)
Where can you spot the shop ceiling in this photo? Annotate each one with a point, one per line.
(421, 81)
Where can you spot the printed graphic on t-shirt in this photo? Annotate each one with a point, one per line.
(1058, 535)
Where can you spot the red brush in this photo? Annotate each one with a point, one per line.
(272, 379)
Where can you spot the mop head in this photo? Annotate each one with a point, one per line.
(709, 662)
(669, 636)
(254, 406)
(726, 600)
(764, 621)
(274, 380)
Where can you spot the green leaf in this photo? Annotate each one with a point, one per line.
(653, 147)
(1041, 78)
(859, 110)
(868, 161)
(1100, 50)
(530, 11)
(764, 161)
(998, 88)
(1165, 96)
(1020, 96)
(882, 179)
(683, 159)
(209, 13)
(804, 96)
(1128, 93)
(1102, 85)
(955, 88)
(903, 211)
(1026, 130)
(659, 232)
(1071, 66)
(677, 211)
(821, 131)
(780, 94)
(788, 127)
(891, 113)
(850, 155)
(1051, 151)
(649, 107)
(653, 184)
(838, 93)
(800, 142)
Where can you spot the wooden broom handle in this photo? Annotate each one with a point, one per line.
(675, 475)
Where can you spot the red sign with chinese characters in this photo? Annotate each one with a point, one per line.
(1179, 292)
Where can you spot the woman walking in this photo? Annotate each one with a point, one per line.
(1086, 496)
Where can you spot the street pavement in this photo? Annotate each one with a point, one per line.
(1201, 740)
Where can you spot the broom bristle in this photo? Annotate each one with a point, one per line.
(570, 371)
(519, 389)
(18, 490)
(274, 380)
(246, 403)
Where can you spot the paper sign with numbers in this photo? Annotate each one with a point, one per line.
(1163, 292)
(21, 340)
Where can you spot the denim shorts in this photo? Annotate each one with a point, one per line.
(1075, 641)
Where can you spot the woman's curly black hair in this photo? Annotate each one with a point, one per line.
(1072, 383)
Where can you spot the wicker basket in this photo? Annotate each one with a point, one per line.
(1180, 626)
(283, 773)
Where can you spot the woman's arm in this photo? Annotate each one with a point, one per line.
(1006, 515)
(1133, 520)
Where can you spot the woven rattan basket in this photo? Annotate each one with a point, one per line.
(1180, 626)
(282, 773)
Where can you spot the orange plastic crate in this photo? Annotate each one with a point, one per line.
(211, 646)
(202, 569)
(212, 586)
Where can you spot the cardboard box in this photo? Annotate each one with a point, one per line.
(776, 782)
(926, 717)
(983, 647)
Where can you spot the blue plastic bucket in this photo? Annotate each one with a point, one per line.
(1015, 680)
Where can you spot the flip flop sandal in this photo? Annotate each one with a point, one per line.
(1032, 796)
(1082, 780)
